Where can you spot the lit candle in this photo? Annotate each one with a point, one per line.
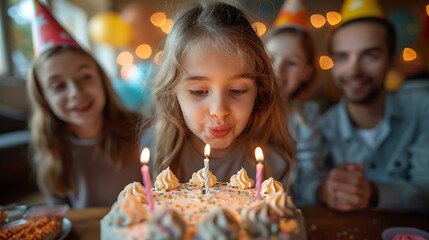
(259, 172)
(206, 168)
(144, 158)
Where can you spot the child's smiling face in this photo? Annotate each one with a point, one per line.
(73, 89)
(216, 95)
(290, 62)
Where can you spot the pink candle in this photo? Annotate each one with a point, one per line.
(144, 158)
(259, 172)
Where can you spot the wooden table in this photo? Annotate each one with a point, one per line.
(321, 223)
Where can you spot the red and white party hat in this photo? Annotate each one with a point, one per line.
(292, 13)
(47, 32)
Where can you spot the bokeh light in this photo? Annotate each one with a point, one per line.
(125, 58)
(158, 19)
(317, 20)
(260, 28)
(127, 71)
(333, 18)
(394, 80)
(409, 54)
(166, 27)
(22, 13)
(144, 51)
(326, 62)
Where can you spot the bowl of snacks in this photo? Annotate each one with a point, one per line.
(41, 222)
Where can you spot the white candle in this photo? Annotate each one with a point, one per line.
(144, 158)
(259, 172)
(206, 168)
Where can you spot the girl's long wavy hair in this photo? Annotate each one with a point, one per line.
(51, 137)
(225, 27)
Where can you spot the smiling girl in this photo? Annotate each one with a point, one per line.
(85, 143)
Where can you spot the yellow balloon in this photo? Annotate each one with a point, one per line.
(108, 28)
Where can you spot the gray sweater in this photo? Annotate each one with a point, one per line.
(97, 182)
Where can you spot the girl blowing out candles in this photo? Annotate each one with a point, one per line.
(215, 85)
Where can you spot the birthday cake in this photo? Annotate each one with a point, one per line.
(186, 211)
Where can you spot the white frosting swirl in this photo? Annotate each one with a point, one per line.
(127, 211)
(270, 186)
(260, 220)
(165, 224)
(199, 180)
(241, 180)
(134, 189)
(218, 224)
(166, 180)
(282, 204)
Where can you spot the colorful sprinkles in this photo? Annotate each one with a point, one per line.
(192, 204)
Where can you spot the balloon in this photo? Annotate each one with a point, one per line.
(108, 28)
(136, 92)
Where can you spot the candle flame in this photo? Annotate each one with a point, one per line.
(144, 157)
(207, 150)
(258, 154)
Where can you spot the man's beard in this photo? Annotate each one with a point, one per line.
(372, 95)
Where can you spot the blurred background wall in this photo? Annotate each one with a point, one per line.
(127, 35)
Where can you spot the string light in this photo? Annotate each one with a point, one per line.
(326, 62)
(260, 28)
(333, 18)
(144, 51)
(317, 20)
(409, 54)
(158, 19)
(124, 58)
(166, 27)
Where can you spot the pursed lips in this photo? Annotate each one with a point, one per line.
(219, 131)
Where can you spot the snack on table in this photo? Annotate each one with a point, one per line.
(39, 222)
(37, 228)
(185, 212)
